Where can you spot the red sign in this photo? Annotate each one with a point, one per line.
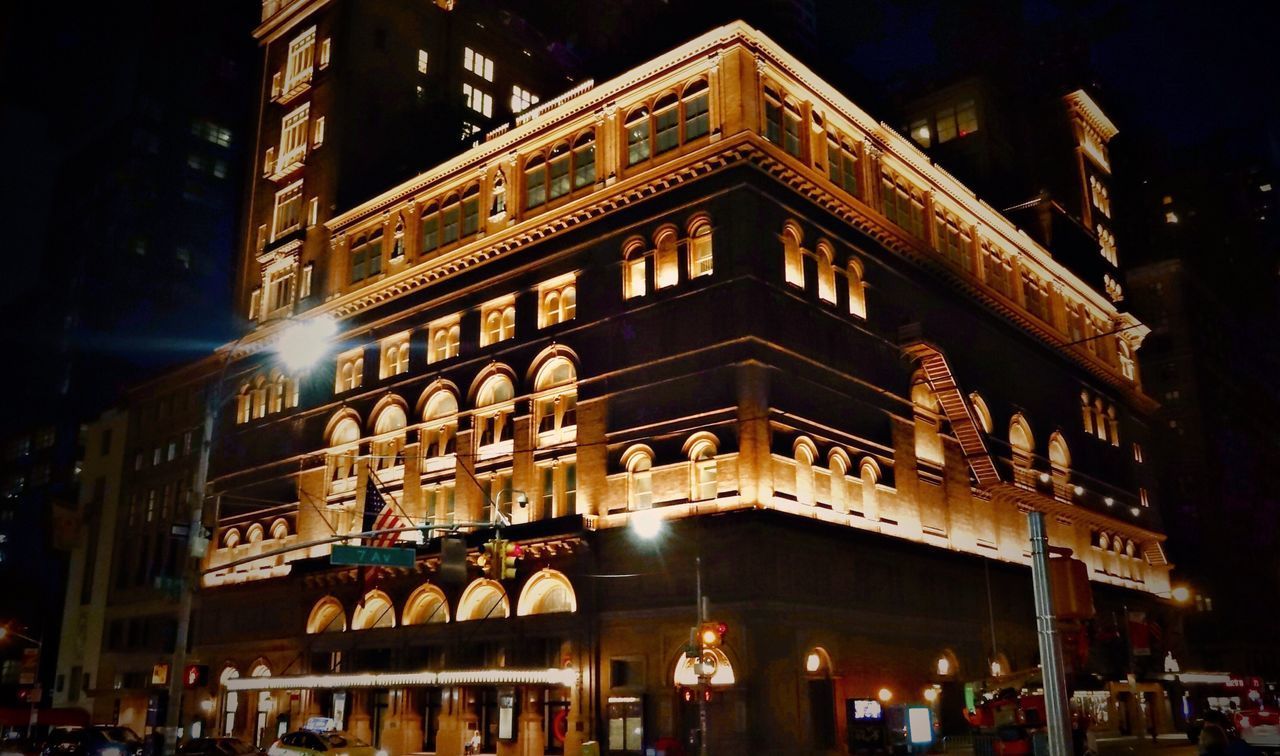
(195, 676)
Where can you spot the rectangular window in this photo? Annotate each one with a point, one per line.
(666, 128)
(317, 132)
(313, 211)
(293, 136)
(326, 50)
(997, 272)
(288, 210)
(946, 119)
(477, 100)
(301, 57)
(584, 163)
(903, 203)
(535, 186)
(558, 301)
(522, 99)
(422, 61)
(280, 290)
(953, 240)
(395, 355)
(547, 477)
(1035, 298)
(255, 303)
(638, 147)
(350, 370)
(451, 213)
(444, 337)
(697, 121)
(570, 488)
(430, 230)
(773, 120)
(471, 215)
(304, 290)
(366, 259)
(477, 64)
(636, 283)
(842, 165)
(498, 320)
(559, 175)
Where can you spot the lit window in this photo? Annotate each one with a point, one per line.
(293, 137)
(635, 269)
(395, 355)
(350, 370)
(638, 146)
(697, 118)
(842, 164)
(317, 132)
(668, 122)
(494, 405)
(639, 463)
(559, 301)
(366, 257)
(857, 289)
(559, 489)
(702, 461)
(301, 56)
(1143, 499)
(793, 256)
(1137, 452)
(997, 271)
(556, 401)
(782, 122)
(471, 211)
(903, 202)
(522, 99)
(440, 431)
(422, 61)
(1035, 296)
(701, 259)
(826, 273)
(920, 133)
(477, 64)
(255, 303)
(288, 210)
(584, 160)
(498, 321)
(326, 49)
(279, 289)
(445, 336)
(559, 170)
(666, 268)
(477, 100)
(313, 212)
(953, 239)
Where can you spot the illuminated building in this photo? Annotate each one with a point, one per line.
(713, 292)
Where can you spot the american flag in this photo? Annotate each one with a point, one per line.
(379, 515)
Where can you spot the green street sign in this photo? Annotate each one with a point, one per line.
(371, 556)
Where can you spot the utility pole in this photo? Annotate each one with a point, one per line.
(1051, 667)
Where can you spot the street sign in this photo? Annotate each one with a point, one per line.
(371, 556)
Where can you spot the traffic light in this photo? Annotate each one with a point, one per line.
(510, 553)
(492, 559)
(711, 634)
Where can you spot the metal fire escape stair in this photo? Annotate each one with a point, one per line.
(963, 423)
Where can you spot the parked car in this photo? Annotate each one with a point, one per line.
(103, 740)
(218, 747)
(316, 743)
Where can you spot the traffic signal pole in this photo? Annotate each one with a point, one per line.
(1051, 666)
(703, 680)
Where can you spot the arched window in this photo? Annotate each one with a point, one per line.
(376, 610)
(259, 397)
(498, 194)
(793, 256)
(927, 421)
(695, 101)
(638, 144)
(946, 665)
(440, 418)
(666, 123)
(584, 160)
(494, 406)
(981, 411)
(388, 429)
(826, 272)
(344, 448)
(1099, 419)
(639, 463)
(255, 533)
(244, 404)
(471, 210)
(703, 482)
(427, 605)
(327, 616)
(666, 259)
(535, 182)
(857, 289)
(555, 406)
(1060, 464)
(1113, 423)
(277, 393)
(782, 121)
(1021, 443)
(483, 599)
(280, 530)
(634, 269)
(701, 261)
(547, 592)
(842, 163)
(230, 702)
(450, 220)
(805, 454)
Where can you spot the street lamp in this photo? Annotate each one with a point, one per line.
(1181, 594)
(646, 523)
(301, 344)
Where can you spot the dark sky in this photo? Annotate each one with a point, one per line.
(1175, 72)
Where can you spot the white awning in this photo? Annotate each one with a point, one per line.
(561, 677)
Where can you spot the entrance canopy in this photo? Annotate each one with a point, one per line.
(561, 677)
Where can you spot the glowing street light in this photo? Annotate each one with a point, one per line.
(304, 342)
(1181, 594)
(885, 695)
(647, 524)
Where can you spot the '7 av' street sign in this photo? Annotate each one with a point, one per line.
(371, 556)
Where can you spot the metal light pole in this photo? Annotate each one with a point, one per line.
(300, 346)
(704, 680)
(1051, 666)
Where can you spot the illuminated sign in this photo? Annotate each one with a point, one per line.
(919, 725)
(866, 709)
(160, 674)
(195, 676)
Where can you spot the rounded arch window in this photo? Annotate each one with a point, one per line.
(981, 411)
(426, 606)
(255, 533)
(280, 529)
(483, 599)
(1020, 435)
(817, 662)
(390, 419)
(376, 611)
(327, 616)
(639, 463)
(946, 664)
(558, 371)
(547, 592)
(441, 405)
(1059, 454)
(346, 431)
(496, 390)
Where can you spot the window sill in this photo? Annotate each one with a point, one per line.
(438, 464)
(500, 449)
